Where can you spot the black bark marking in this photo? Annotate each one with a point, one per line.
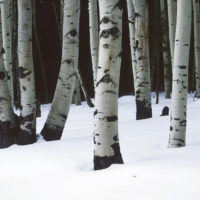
(107, 161)
(3, 51)
(182, 67)
(119, 5)
(23, 73)
(107, 32)
(171, 128)
(105, 79)
(143, 112)
(63, 116)
(68, 61)
(95, 112)
(110, 92)
(112, 118)
(106, 46)
(115, 138)
(50, 134)
(72, 33)
(24, 88)
(2, 75)
(27, 118)
(183, 123)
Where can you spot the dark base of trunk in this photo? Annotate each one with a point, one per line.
(6, 137)
(24, 138)
(167, 96)
(105, 162)
(51, 134)
(142, 111)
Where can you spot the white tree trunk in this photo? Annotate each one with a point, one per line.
(7, 121)
(68, 71)
(196, 10)
(131, 21)
(172, 13)
(6, 15)
(180, 74)
(27, 133)
(166, 55)
(106, 148)
(142, 77)
(94, 35)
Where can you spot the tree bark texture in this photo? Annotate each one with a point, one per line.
(94, 35)
(180, 74)
(6, 15)
(27, 132)
(172, 13)
(196, 13)
(68, 71)
(142, 72)
(106, 141)
(166, 54)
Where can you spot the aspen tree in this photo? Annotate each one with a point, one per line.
(27, 132)
(94, 35)
(172, 13)
(142, 66)
(106, 140)
(180, 74)
(57, 116)
(166, 55)
(196, 11)
(6, 15)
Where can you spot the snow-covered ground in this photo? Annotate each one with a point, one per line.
(62, 170)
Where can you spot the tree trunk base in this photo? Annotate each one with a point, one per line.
(6, 138)
(24, 138)
(178, 145)
(142, 111)
(50, 134)
(105, 162)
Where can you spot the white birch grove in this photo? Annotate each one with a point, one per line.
(196, 14)
(6, 16)
(131, 21)
(94, 35)
(142, 66)
(166, 54)
(172, 13)
(68, 71)
(180, 74)
(106, 140)
(27, 132)
(7, 119)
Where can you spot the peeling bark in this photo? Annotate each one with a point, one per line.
(27, 130)
(57, 116)
(180, 74)
(106, 141)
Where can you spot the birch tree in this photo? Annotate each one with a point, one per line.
(142, 67)
(7, 119)
(166, 55)
(57, 116)
(94, 35)
(6, 15)
(196, 11)
(27, 132)
(172, 13)
(180, 74)
(106, 140)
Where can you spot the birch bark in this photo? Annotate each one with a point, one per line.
(6, 111)
(6, 15)
(106, 141)
(142, 77)
(94, 35)
(27, 133)
(196, 11)
(180, 74)
(131, 21)
(172, 13)
(166, 55)
(69, 66)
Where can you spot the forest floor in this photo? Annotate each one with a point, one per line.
(62, 170)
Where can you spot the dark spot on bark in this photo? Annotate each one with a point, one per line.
(95, 112)
(115, 138)
(3, 51)
(23, 73)
(24, 88)
(182, 67)
(106, 70)
(110, 92)
(183, 123)
(73, 33)
(176, 119)
(105, 79)
(98, 143)
(2, 75)
(68, 61)
(105, 20)
(111, 118)
(50, 134)
(171, 128)
(63, 116)
(26, 118)
(106, 46)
